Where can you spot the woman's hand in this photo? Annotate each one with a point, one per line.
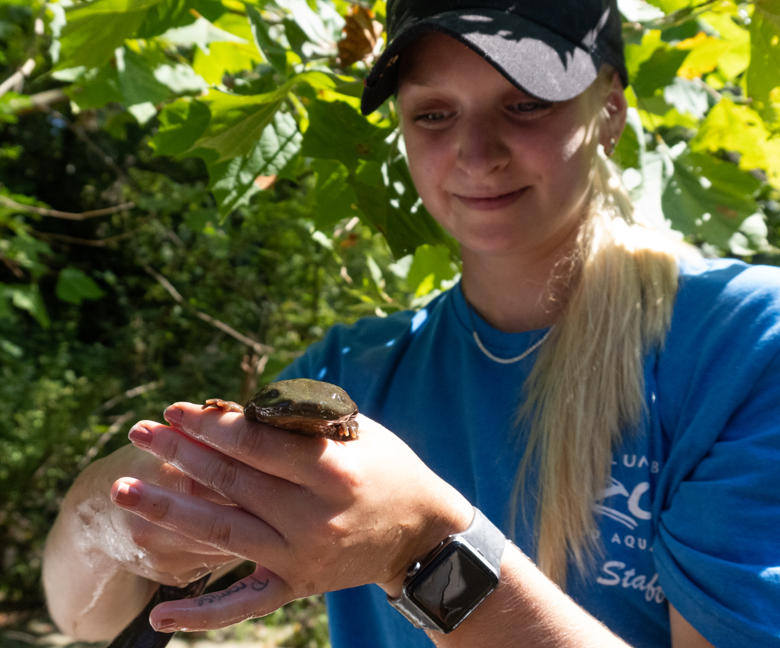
(315, 515)
(143, 548)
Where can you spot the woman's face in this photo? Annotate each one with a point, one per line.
(503, 172)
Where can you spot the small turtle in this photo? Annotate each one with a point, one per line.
(309, 407)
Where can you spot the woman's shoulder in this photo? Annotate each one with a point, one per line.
(727, 282)
(720, 295)
(723, 347)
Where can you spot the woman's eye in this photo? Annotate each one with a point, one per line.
(526, 107)
(430, 118)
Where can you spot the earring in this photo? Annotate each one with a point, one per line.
(610, 149)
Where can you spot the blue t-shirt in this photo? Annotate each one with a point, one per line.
(692, 512)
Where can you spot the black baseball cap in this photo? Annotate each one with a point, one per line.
(551, 49)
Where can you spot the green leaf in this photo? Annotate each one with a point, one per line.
(274, 53)
(95, 30)
(181, 124)
(278, 144)
(709, 198)
(172, 14)
(335, 198)
(231, 57)
(137, 81)
(28, 298)
(638, 54)
(632, 143)
(395, 210)
(96, 88)
(658, 71)
(237, 121)
(295, 36)
(668, 6)
(74, 286)
(431, 261)
(763, 75)
(201, 33)
(180, 78)
(165, 15)
(687, 97)
(736, 59)
(338, 132)
(735, 128)
(225, 58)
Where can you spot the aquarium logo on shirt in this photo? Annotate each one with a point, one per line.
(625, 526)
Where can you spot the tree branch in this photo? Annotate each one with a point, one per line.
(42, 100)
(49, 236)
(256, 346)
(66, 215)
(15, 82)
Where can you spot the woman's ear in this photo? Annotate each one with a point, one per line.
(615, 109)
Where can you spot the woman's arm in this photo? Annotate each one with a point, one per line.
(528, 605)
(101, 564)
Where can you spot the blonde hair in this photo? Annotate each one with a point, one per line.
(587, 386)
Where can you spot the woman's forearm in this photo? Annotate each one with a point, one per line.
(530, 609)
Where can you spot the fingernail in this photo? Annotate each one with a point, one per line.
(165, 625)
(127, 494)
(174, 415)
(141, 437)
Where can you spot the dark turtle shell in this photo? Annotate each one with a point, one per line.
(310, 407)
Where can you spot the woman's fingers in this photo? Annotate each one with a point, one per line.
(229, 529)
(262, 494)
(164, 474)
(284, 454)
(253, 596)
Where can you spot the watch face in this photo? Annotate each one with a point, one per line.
(449, 588)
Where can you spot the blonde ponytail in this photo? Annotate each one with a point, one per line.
(587, 387)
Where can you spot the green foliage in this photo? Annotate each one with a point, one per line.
(265, 204)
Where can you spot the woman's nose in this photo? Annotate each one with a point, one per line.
(482, 148)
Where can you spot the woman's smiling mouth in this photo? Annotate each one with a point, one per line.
(489, 203)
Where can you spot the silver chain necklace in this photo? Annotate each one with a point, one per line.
(495, 358)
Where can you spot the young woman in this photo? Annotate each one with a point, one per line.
(606, 399)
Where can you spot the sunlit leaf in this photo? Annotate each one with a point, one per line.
(96, 88)
(95, 30)
(238, 120)
(703, 55)
(431, 261)
(28, 298)
(763, 75)
(735, 60)
(740, 129)
(709, 198)
(137, 81)
(668, 6)
(278, 144)
(274, 53)
(228, 57)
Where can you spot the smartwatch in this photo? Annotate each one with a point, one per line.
(441, 590)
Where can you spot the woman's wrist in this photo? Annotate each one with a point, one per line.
(453, 514)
